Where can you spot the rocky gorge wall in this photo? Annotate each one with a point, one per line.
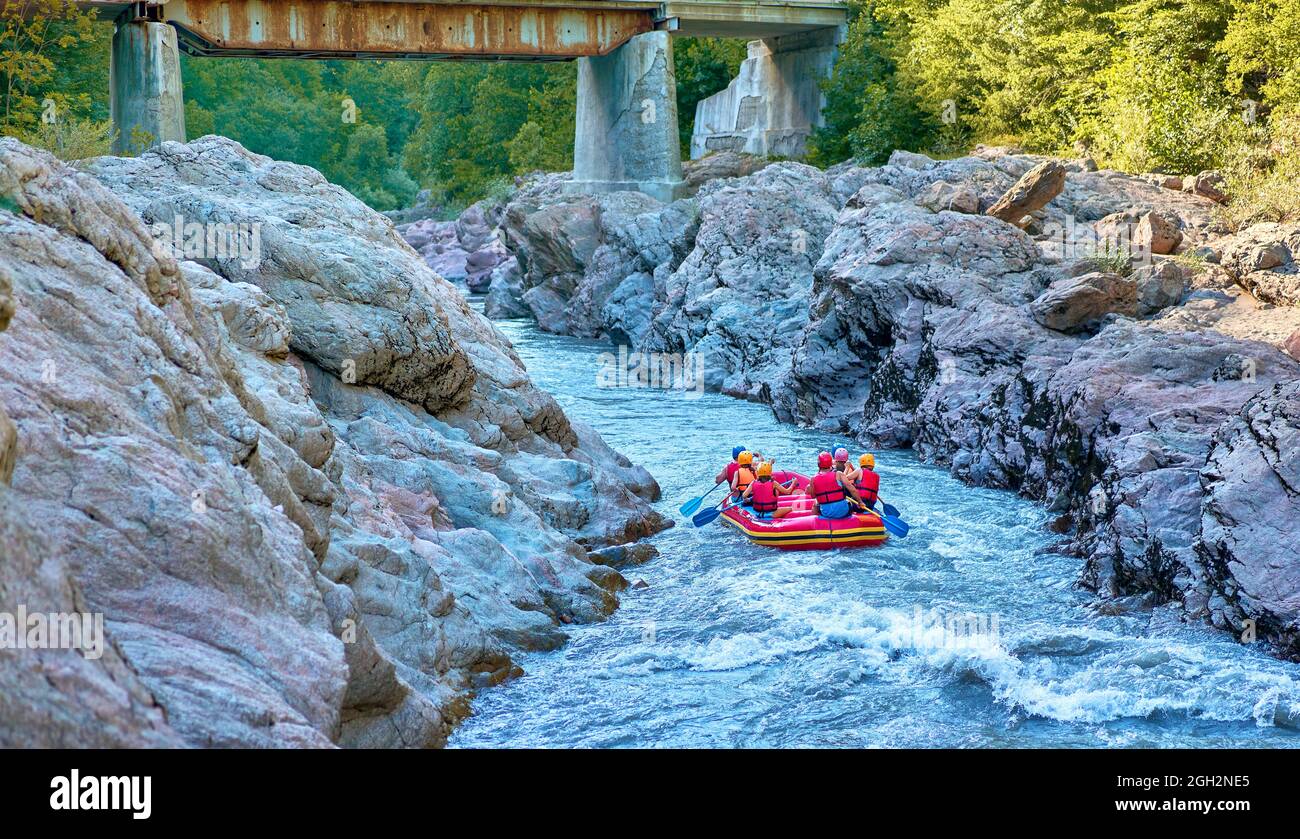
(975, 310)
(314, 495)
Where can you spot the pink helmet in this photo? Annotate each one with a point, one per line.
(842, 454)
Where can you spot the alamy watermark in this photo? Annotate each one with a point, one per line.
(658, 371)
(81, 631)
(939, 630)
(75, 791)
(211, 240)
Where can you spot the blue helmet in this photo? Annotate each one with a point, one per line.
(735, 453)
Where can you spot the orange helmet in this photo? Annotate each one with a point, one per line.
(765, 469)
(745, 458)
(867, 460)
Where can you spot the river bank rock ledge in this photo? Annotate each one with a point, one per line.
(973, 309)
(316, 497)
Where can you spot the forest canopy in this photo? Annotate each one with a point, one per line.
(1140, 85)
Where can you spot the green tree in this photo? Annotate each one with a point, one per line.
(703, 66)
(53, 77)
(867, 115)
(480, 123)
(1165, 105)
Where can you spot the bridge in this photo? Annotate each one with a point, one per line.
(626, 133)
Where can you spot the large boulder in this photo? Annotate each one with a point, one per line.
(1265, 260)
(739, 298)
(722, 164)
(1158, 233)
(942, 195)
(584, 262)
(1208, 184)
(150, 481)
(1079, 304)
(285, 554)
(1158, 286)
(1030, 194)
(464, 250)
(887, 269)
(344, 278)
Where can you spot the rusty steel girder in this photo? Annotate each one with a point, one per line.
(339, 29)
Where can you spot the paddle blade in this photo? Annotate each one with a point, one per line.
(694, 504)
(896, 526)
(890, 509)
(707, 516)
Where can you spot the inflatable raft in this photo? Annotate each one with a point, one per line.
(800, 530)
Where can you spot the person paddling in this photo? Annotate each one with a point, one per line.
(764, 494)
(830, 490)
(867, 480)
(743, 476)
(729, 471)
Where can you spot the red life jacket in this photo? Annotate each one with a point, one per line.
(731, 470)
(763, 496)
(868, 485)
(826, 487)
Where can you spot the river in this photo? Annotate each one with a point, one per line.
(969, 632)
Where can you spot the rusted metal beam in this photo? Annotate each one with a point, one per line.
(531, 30)
(339, 29)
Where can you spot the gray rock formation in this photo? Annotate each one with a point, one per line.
(739, 298)
(1265, 259)
(287, 549)
(1251, 486)
(465, 250)
(1071, 360)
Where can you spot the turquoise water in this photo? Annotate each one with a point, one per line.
(736, 645)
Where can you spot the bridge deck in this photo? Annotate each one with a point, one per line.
(465, 29)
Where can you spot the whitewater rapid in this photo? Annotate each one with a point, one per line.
(968, 633)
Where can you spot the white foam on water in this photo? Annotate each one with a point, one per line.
(828, 641)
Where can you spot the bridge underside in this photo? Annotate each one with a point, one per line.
(626, 136)
(528, 30)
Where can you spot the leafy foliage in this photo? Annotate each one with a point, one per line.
(703, 66)
(1167, 85)
(53, 77)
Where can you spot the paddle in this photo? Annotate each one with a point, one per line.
(701, 519)
(892, 522)
(718, 509)
(694, 504)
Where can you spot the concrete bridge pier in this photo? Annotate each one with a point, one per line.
(626, 137)
(145, 86)
(775, 103)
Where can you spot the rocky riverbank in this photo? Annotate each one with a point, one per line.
(315, 496)
(975, 309)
